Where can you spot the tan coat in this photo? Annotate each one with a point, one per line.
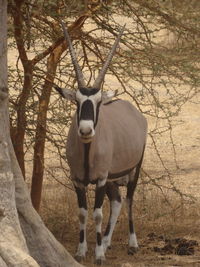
(118, 144)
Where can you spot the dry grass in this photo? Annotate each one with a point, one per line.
(151, 210)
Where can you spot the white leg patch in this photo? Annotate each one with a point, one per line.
(106, 241)
(98, 216)
(133, 241)
(83, 214)
(115, 210)
(82, 247)
(99, 252)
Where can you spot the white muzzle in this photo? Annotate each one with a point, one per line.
(86, 130)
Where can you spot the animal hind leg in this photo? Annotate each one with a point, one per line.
(133, 178)
(112, 191)
(132, 244)
(83, 214)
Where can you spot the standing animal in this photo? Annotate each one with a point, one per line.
(106, 141)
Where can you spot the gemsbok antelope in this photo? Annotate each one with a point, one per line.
(105, 144)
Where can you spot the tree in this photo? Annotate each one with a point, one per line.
(24, 239)
(147, 69)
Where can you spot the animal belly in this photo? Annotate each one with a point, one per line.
(114, 175)
(123, 162)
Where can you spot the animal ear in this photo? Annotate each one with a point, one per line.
(66, 93)
(108, 95)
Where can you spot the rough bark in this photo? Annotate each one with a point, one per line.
(24, 239)
(19, 134)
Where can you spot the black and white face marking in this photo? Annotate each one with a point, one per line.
(88, 102)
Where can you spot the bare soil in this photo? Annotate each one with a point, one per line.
(156, 252)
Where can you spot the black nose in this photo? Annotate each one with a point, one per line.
(84, 133)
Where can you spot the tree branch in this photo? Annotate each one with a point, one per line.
(170, 19)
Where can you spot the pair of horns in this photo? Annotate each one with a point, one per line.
(79, 74)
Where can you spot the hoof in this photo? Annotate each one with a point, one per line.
(132, 250)
(100, 261)
(79, 258)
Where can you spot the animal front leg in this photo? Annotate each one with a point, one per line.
(98, 216)
(113, 194)
(83, 214)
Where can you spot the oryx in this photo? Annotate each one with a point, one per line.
(106, 140)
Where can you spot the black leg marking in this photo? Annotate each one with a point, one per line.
(112, 191)
(131, 227)
(81, 196)
(81, 236)
(99, 196)
(107, 227)
(82, 202)
(99, 239)
(133, 246)
(130, 191)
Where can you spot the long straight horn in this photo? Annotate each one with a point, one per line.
(79, 74)
(99, 80)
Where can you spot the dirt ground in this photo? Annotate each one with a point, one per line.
(167, 236)
(156, 252)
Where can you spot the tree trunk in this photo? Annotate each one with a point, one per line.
(38, 161)
(18, 139)
(24, 239)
